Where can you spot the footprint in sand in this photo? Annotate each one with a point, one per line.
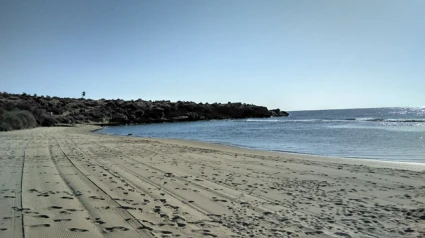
(181, 224)
(96, 197)
(127, 208)
(342, 234)
(98, 221)
(143, 227)
(3, 229)
(61, 220)
(78, 230)
(67, 198)
(42, 216)
(116, 228)
(72, 210)
(55, 207)
(20, 209)
(41, 225)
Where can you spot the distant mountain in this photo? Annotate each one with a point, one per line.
(18, 111)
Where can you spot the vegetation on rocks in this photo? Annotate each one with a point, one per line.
(26, 111)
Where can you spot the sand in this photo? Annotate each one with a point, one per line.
(69, 182)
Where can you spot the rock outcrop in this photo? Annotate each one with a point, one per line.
(50, 111)
(278, 113)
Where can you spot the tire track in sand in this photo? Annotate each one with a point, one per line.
(164, 199)
(118, 216)
(11, 196)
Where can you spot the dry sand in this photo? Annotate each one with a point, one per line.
(69, 182)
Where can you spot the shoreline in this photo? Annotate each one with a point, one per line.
(414, 166)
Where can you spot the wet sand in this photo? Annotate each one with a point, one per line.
(69, 182)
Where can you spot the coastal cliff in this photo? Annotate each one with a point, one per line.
(18, 111)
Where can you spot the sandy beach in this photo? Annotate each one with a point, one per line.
(70, 182)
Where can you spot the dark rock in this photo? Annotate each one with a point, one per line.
(278, 113)
(52, 111)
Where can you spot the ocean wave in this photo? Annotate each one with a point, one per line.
(388, 120)
(261, 120)
(361, 119)
(285, 120)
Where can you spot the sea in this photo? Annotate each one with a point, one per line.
(388, 134)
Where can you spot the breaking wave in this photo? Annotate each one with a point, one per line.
(361, 119)
(387, 120)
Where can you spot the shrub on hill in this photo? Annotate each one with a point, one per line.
(16, 119)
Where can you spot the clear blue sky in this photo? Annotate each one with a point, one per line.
(301, 54)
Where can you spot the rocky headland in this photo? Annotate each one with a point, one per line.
(19, 111)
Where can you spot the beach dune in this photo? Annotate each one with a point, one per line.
(70, 182)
